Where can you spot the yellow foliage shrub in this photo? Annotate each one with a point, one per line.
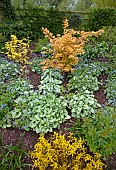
(17, 50)
(62, 154)
(65, 48)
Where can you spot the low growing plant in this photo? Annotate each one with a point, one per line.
(83, 82)
(95, 50)
(97, 68)
(99, 132)
(6, 103)
(51, 80)
(19, 87)
(41, 113)
(8, 70)
(83, 104)
(108, 36)
(111, 88)
(60, 154)
(8, 93)
(90, 67)
(11, 157)
(47, 51)
(35, 65)
(84, 76)
(42, 42)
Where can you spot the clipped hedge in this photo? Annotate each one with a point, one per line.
(101, 17)
(29, 23)
(8, 10)
(75, 20)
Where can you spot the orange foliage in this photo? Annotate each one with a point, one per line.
(66, 48)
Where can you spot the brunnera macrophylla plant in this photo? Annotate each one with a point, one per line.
(66, 47)
(17, 50)
(62, 154)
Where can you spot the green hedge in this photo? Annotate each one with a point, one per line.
(28, 23)
(101, 17)
(8, 10)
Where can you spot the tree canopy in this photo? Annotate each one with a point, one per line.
(72, 5)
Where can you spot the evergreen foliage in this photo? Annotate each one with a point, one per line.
(101, 17)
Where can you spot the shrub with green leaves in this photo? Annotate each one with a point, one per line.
(75, 20)
(99, 132)
(51, 80)
(20, 28)
(108, 36)
(112, 57)
(41, 113)
(83, 104)
(8, 70)
(1, 42)
(8, 10)
(42, 42)
(27, 24)
(101, 17)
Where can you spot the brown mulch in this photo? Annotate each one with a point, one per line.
(34, 78)
(99, 94)
(11, 136)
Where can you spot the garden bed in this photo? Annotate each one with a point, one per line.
(10, 136)
(36, 101)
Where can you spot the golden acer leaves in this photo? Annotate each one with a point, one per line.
(66, 47)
